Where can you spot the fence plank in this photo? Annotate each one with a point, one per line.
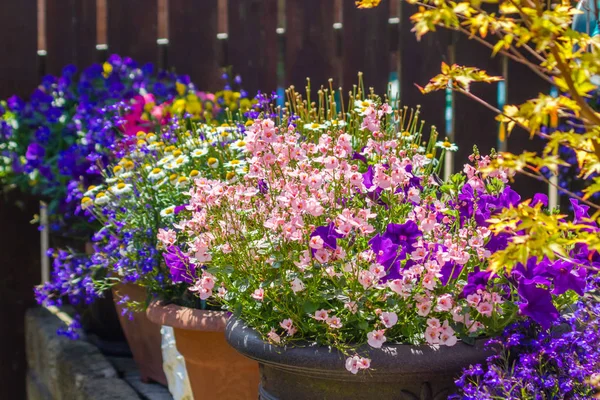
(366, 45)
(133, 30)
(420, 61)
(193, 41)
(310, 44)
(18, 52)
(522, 85)
(474, 123)
(70, 34)
(252, 44)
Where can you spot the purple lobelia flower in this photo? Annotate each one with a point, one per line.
(539, 198)
(179, 265)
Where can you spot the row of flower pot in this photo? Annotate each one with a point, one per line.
(225, 359)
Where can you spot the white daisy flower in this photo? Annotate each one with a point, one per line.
(101, 199)
(360, 106)
(446, 145)
(168, 212)
(235, 164)
(164, 160)
(156, 174)
(121, 188)
(160, 183)
(111, 180)
(335, 123)
(212, 162)
(239, 145)
(314, 127)
(199, 152)
(92, 190)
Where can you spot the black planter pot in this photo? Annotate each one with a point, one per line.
(401, 372)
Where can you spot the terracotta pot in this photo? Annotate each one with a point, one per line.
(216, 370)
(143, 336)
(315, 372)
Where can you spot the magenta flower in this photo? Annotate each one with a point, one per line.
(179, 265)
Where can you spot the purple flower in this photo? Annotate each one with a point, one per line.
(328, 234)
(537, 305)
(180, 208)
(567, 276)
(179, 265)
(35, 151)
(450, 270)
(386, 254)
(404, 235)
(539, 198)
(476, 280)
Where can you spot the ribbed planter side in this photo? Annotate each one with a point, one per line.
(143, 336)
(215, 370)
(314, 372)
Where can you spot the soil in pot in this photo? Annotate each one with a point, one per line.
(316, 372)
(215, 370)
(143, 336)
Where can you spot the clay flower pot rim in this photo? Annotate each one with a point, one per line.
(386, 362)
(186, 318)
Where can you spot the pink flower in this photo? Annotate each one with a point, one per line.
(356, 363)
(444, 303)
(473, 299)
(424, 308)
(433, 322)
(389, 319)
(221, 292)
(367, 278)
(485, 308)
(396, 285)
(376, 338)
(322, 255)
(287, 324)
(167, 236)
(432, 335)
(321, 315)
(351, 306)
(274, 337)
(297, 285)
(258, 294)
(334, 322)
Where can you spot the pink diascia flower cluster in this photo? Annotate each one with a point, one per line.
(347, 237)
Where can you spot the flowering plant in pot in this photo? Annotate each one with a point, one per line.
(343, 236)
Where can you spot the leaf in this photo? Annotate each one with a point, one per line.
(310, 307)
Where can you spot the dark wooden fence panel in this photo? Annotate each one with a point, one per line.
(18, 52)
(310, 44)
(193, 41)
(366, 46)
(20, 267)
(420, 61)
(133, 29)
(70, 34)
(474, 124)
(522, 85)
(252, 43)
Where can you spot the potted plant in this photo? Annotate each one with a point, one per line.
(341, 250)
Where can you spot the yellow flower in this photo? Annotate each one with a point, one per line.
(140, 135)
(230, 175)
(117, 169)
(178, 106)
(249, 122)
(107, 68)
(177, 153)
(180, 87)
(194, 174)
